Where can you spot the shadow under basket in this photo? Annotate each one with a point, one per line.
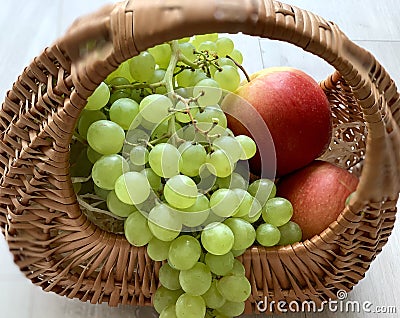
(57, 246)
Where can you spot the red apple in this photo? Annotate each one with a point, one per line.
(295, 110)
(318, 193)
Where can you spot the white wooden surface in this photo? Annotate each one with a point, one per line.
(26, 27)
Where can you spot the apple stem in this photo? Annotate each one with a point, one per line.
(240, 66)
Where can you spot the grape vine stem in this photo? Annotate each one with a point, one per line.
(240, 67)
(169, 84)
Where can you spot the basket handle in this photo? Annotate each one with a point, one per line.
(123, 30)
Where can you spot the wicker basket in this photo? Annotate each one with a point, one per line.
(59, 249)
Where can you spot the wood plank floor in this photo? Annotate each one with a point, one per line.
(27, 27)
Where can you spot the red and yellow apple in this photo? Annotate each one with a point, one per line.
(295, 110)
(318, 193)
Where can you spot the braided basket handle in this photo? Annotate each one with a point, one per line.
(123, 30)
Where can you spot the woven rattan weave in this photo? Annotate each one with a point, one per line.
(59, 249)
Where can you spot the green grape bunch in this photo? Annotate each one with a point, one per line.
(152, 149)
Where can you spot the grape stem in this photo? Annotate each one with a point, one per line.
(240, 66)
(182, 68)
(206, 62)
(187, 109)
(152, 86)
(169, 84)
(185, 60)
(187, 101)
(169, 73)
(80, 179)
(91, 208)
(156, 141)
(79, 138)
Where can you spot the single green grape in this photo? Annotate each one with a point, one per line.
(153, 179)
(187, 49)
(231, 309)
(217, 238)
(136, 229)
(169, 277)
(196, 280)
(184, 252)
(249, 206)
(220, 265)
(209, 114)
(238, 268)
(164, 222)
(228, 78)
(290, 233)
(132, 188)
(208, 92)
(213, 297)
(200, 38)
(157, 77)
(208, 46)
(183, 40)
(107, 170)
(196, 214)
(224, 202)
(164, 160)
(123, 112)
(87, 118)
(139, 155)
(180, 191)
(142, 66)
(118, 207)
(193, 156)
(189, 306)
(157, 249)
(248, 147)
(189, 78)
(226, 61)
(237, 56)
(93, 155)
(268, 234)
(224, 46)
(230, 146)
(234, 288)
(161, 54)
(220, 163)
(164, 297)
(262, 190)
(154, 108)
(277, 211)
(168, 312)
(118, 81)
(243, 231)
(99, 97)
(106, 137)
